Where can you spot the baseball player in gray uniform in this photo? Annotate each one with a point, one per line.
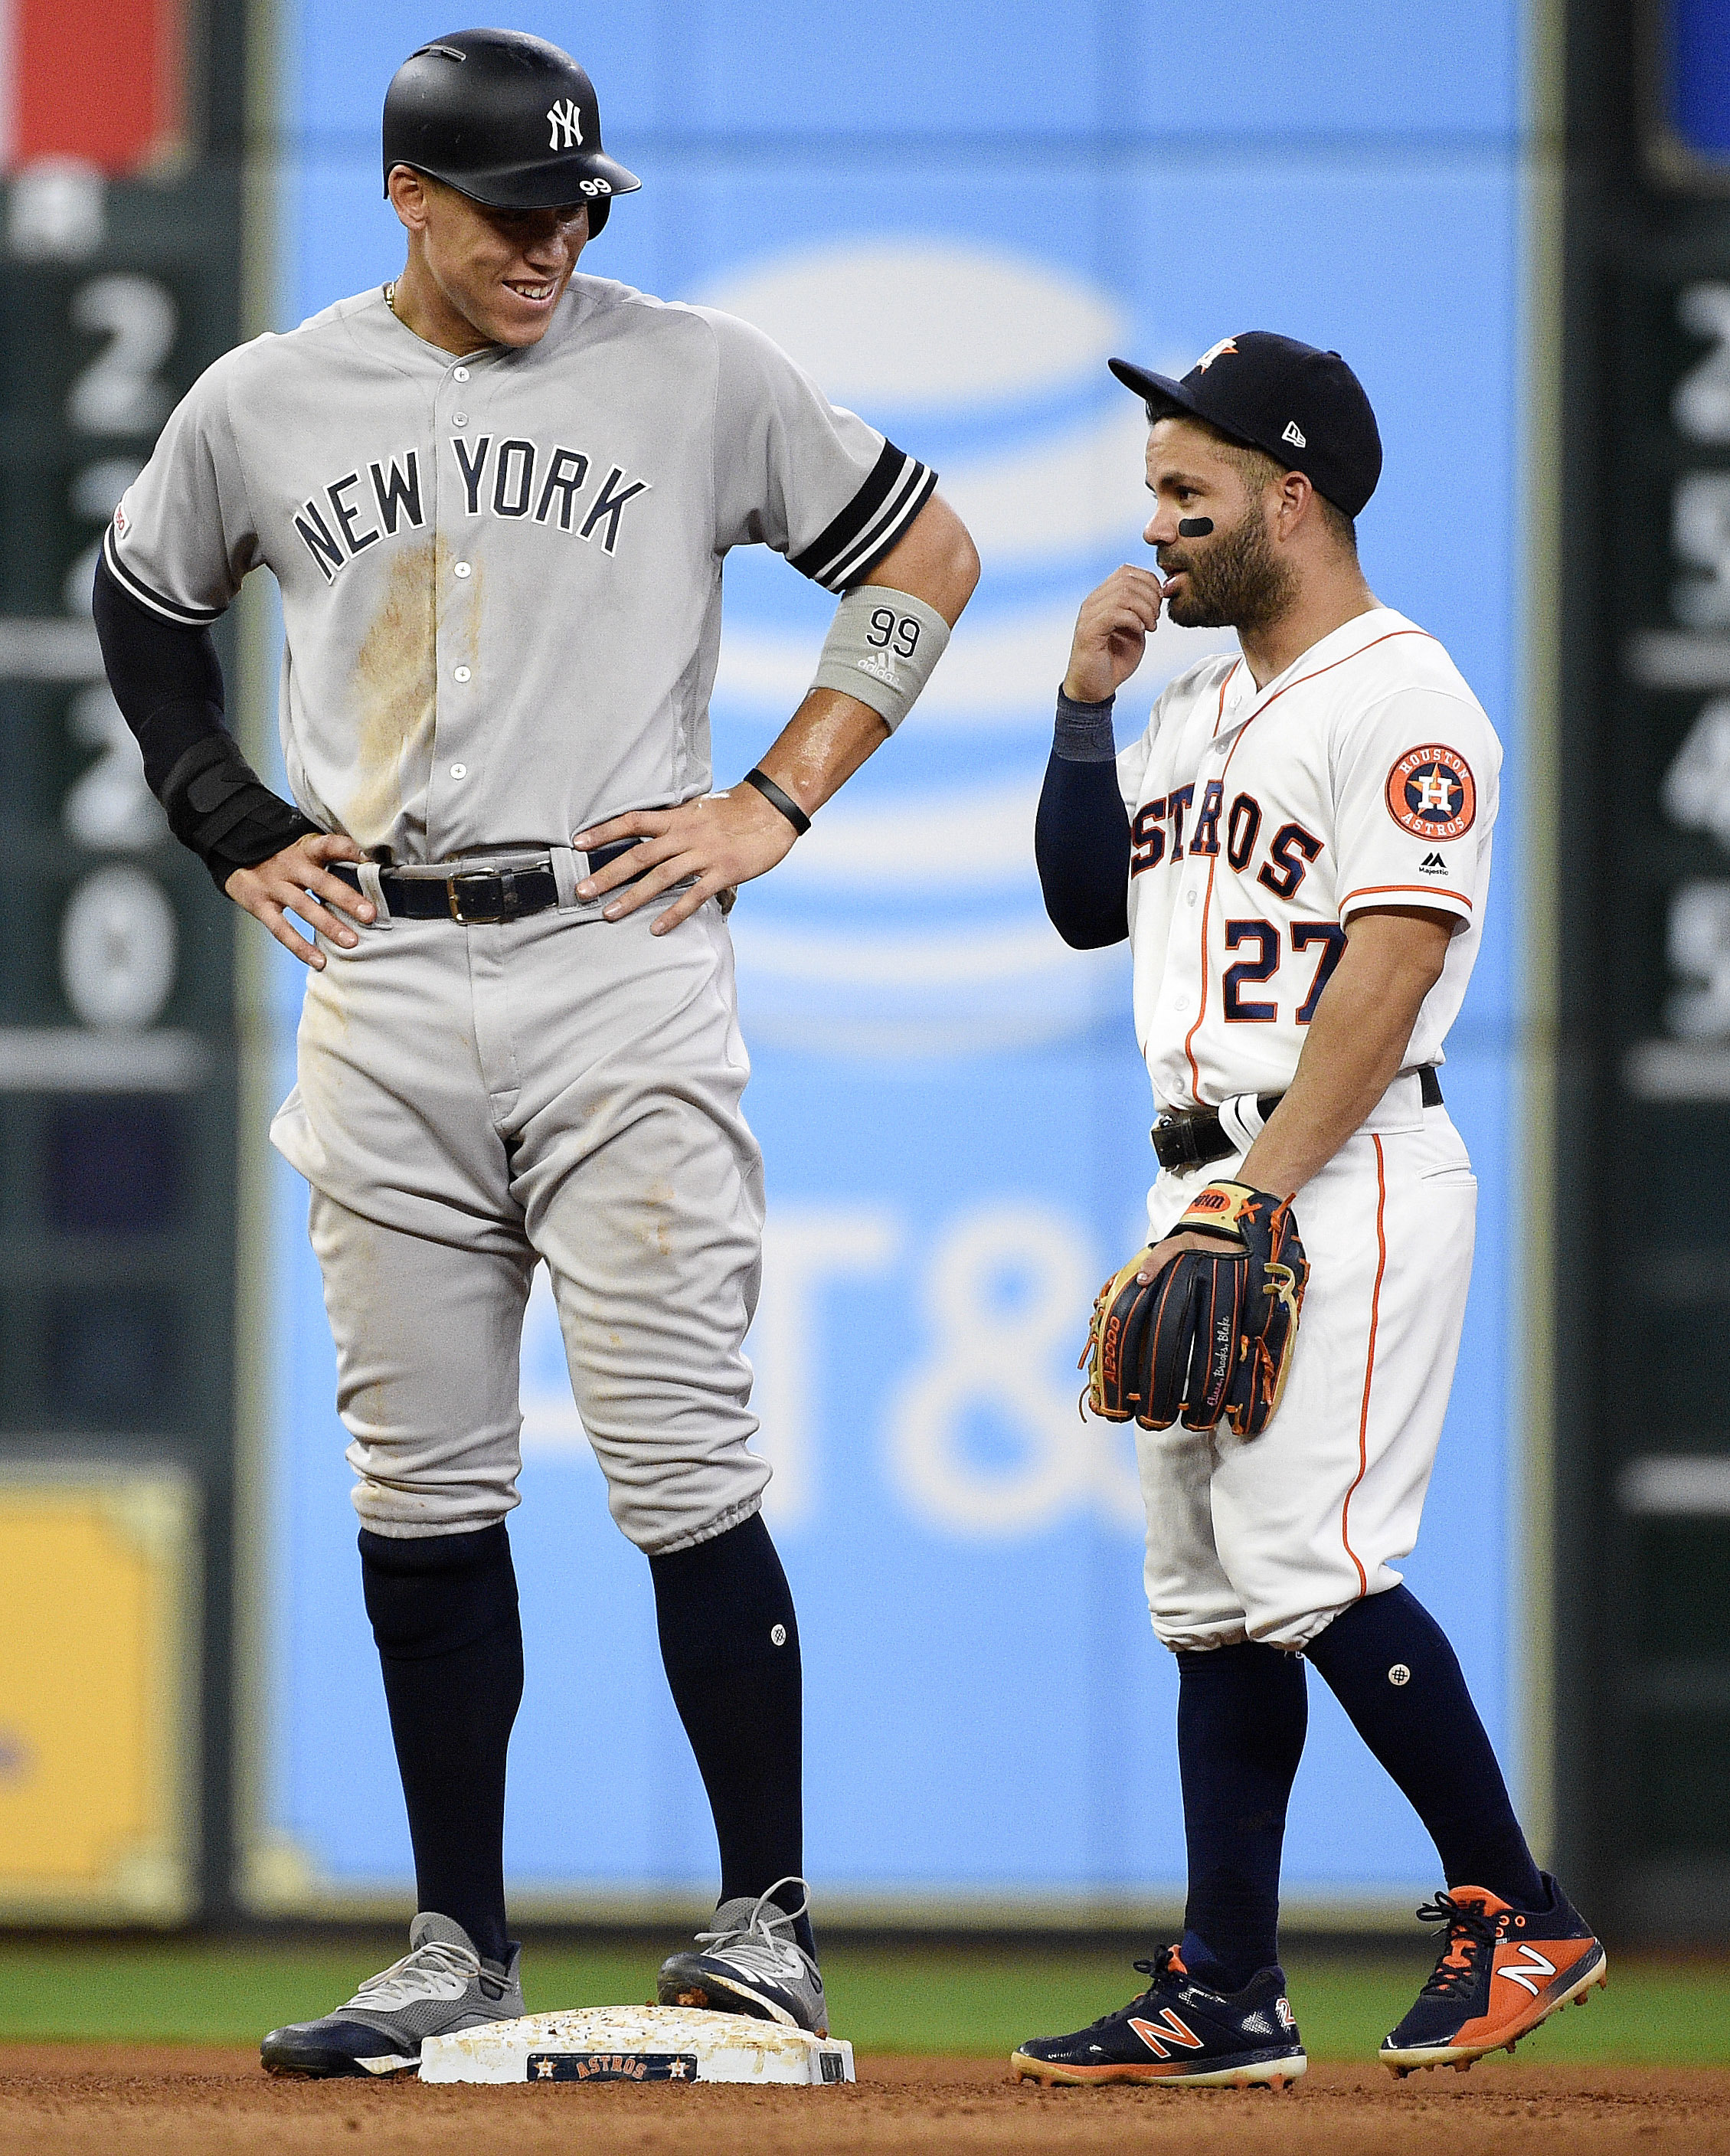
(497, 496)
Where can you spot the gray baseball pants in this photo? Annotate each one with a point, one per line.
(473, 1099)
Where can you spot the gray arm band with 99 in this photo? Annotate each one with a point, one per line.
(881, 648)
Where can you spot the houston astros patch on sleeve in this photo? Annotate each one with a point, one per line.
(1431, 793)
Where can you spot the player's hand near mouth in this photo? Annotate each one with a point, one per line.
(1111, 633)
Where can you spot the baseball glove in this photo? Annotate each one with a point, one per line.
(1209, 1337)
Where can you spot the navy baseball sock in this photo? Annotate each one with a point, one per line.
(443, 1612)
(1242, 1712)
(731, 1644)
(1389, 1665)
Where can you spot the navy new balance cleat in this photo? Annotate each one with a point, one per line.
(1501, 1972)
(1179, 2033)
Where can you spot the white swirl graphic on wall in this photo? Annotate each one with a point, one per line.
(909, 922)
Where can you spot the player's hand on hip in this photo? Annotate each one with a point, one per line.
(1111, 633)
(721, 840)
(298, 878)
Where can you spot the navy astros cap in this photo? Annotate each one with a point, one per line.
(1305, 407)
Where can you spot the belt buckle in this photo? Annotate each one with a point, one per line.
(507, 903)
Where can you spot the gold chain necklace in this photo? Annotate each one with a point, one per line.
(390, 298)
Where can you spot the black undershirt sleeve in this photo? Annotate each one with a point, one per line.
(1081, 835)
(168, 683)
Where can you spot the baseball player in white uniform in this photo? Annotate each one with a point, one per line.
(1298, 849)
(497, 496)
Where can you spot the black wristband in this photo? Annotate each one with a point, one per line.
(778, 797)
(218, 805)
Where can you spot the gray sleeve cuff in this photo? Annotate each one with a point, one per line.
(1084, 732)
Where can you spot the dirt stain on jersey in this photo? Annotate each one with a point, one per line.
(661, 1202)
(394, 694)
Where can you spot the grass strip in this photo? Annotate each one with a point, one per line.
(894, 1998)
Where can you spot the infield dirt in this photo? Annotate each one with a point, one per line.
(108, 2099)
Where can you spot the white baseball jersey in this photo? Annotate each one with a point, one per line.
(501, 574)
(1262, 819)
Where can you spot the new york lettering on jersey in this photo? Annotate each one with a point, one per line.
(1262, 821)
(526, 479)
(424, 515)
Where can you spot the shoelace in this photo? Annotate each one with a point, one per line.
(1158, 1969)
(1469, 1931)
(425, 1973)
(756, 1947)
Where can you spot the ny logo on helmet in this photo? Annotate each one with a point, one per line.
(567, 124)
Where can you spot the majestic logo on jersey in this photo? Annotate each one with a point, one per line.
(1213, 352)
(1431, 794)
(567, 124)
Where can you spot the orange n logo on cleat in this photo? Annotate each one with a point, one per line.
(1167, 2030)
(1526, 1973)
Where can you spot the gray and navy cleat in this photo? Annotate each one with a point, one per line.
(749, 1961)
(440, 1987)
(1179, 2034)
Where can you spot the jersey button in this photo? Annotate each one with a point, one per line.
(462, 569)
(1190, 900)
(459, 771)
(459, 418)
(461, 674)
(459, 374)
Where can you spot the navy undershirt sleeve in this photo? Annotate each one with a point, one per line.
(168, 683)
(1081, 835)
(166, 679)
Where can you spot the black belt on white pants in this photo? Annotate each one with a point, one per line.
(478, 897)
(1193, 1137)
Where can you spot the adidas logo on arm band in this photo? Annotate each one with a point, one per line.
(881, 648)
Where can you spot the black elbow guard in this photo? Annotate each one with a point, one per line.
(219, 807)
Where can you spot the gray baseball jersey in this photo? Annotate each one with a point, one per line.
(501, 574)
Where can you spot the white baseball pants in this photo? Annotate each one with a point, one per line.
(1270, 1537)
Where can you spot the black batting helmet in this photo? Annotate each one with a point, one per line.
(507, 119)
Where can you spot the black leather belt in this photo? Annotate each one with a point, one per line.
(1196, 1136)
(477, 896)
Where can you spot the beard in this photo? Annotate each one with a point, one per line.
(1236, 583)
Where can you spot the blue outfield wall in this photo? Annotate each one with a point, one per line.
(952, 216)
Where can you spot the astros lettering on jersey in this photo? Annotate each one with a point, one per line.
(1366, 775)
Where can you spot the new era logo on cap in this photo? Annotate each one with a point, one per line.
(1294, 434)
